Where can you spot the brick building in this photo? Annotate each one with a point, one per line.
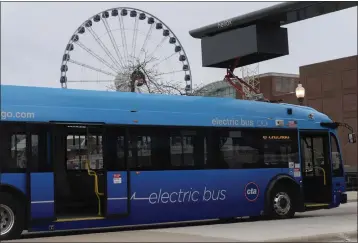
(331, 88)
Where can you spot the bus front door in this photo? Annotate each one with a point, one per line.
(338, 179)
(316, 168)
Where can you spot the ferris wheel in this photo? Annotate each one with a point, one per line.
(128, 50)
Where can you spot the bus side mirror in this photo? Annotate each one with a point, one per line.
(352, 138)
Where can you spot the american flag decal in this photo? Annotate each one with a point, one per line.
(292, 123)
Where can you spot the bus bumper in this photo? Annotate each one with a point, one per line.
(343, 198)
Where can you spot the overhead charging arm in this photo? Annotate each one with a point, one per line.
(230, 75)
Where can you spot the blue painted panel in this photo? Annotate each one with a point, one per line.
(17, 180)
(339, 185)
(42, 195)
(117, 192)
(43, 210)
(183, 195)
(46, 104)
(170, 196)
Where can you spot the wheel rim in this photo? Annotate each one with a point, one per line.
(282, 203)
(7, 219)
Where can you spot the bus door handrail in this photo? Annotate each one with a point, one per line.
(96, 190)
(324, 174)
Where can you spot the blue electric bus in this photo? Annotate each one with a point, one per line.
(74, 159)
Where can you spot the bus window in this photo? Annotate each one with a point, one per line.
(81, 148)
(187, 149)
(114, 147)
(23, 148)
(313, 155)
(337, 166)
(18, 150)
(279, 148)
(250, 149)
(234, 149)
(148, 149)
(13, 145)
(120, 148)
(144, 151)
(40, 161)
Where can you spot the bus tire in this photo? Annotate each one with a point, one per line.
(12, 216)
(281, 203)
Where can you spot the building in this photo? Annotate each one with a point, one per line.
(331, 88)
(217, 89)
(274, 85)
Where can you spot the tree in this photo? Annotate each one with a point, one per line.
(142, 76)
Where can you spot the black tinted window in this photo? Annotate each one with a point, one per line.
(187, 148)
(148, 149)
(279, 148)
(248, 148)
(336, 158)
(22, 147)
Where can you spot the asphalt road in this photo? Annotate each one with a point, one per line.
(334, 222)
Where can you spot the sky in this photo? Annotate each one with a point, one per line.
(34, 36)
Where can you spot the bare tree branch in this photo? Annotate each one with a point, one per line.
(155, 83)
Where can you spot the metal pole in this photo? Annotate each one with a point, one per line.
(132, 86)
(300, 101)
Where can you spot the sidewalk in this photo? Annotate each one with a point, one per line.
(352, 196)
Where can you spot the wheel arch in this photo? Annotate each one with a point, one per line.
(286, 180)
(13, 191)
(17, 194)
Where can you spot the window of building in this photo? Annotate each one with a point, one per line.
(285, 84)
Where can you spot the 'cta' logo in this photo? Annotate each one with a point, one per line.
(252, 191)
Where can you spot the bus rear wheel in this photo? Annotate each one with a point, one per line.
(11, 217)
(281, 203)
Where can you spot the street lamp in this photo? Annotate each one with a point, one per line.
(300, 93)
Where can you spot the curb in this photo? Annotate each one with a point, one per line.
(340, 237)
(352, 196)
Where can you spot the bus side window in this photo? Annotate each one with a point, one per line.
(120, 153)
(187, 149)
(12, 148)
(148, 149)
(233, 149)
(279, 148)
(337, 166)
(39, 143)
(18, 156)
(22, 148)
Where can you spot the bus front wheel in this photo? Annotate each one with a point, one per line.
(11, 217)
(281, 203)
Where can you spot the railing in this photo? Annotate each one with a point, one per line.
(351, 181)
